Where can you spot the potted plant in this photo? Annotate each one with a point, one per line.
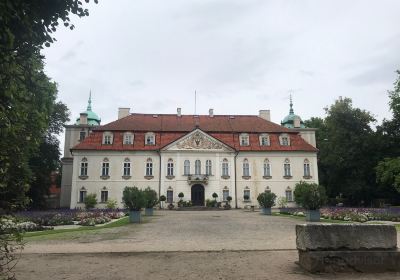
(312, 197)
(228, 202)
(246, 197)
(282, 204)
(90, 201)
(180, 202)
(266, 201)
(215, 195)
(163, 198)
(151, 201)
(134, 200)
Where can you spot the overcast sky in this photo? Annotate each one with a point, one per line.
(240, 56)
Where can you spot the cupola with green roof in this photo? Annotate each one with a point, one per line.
(92, 118)
(292, 120)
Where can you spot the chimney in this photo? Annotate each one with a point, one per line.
(179, 112)
(265, 114)
(211, 113)
(296, 122)
(83, 118)
(123, 112)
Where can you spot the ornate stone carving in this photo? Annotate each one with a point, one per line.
(199, 141)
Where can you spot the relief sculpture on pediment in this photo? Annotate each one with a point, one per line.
(199, 141)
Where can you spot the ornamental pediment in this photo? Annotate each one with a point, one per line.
(198, 140)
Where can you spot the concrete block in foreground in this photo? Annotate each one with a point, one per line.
(323, 237)
(350, 261)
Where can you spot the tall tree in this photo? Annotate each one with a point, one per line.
(26, 93)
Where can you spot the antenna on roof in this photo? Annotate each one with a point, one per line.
(195, 102)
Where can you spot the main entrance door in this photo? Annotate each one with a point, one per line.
(198, 195)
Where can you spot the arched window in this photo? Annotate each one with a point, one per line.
(225, 167)
(149, 167)
(225, 194)
(267, 168)
(284, 139)
(246, 194)
(170, 167)
(307, 170)
(82, 195)
(289, 194)
(127, 167)
(84, 167)
(264, 140)
(286, 168)
(208, 167)
(186, 167)
(197, 167)
(244, 139)
(104, 195)
(150, 138)
(246, 167)
(128, 138)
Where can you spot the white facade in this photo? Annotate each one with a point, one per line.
(195, 146)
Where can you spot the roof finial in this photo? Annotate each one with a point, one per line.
(291, 105)
(89, 106)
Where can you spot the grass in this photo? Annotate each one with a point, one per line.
(118, 223)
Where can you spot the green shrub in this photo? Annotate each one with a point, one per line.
(266, 199)
(133, 198)
(310, 195)
(181, 195)
(111, 204)
(282, 202)
(229, 198)
(215, 195)
(163, 198)
(90, 201)
(150, 197)
(211, 202)
(246, 197)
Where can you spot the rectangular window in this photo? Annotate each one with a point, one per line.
(170, 169)
(244, 141)
(170, 196)
(225, 169)
(287, 172)
(307, 170)
(82, 135)
(84, 166)
(149, 169)
(246, 195)
(150, 140)
(285, 141)
(107, 139)
(208, 167)
(186, 167)
(246, 169)
(128, 139)
(82, 196)
(104, 196)
(197, 167)
(127, 169)
(289, 195)
(267, 170)
(105, 169)
(225, 194)
(264, 141)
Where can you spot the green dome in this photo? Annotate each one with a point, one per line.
(288, 121)
(92, 117)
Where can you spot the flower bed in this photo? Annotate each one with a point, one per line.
(10, 224)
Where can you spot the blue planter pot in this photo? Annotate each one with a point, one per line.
(148, 211)
(313, 216)
(266, 211)
(135, 216)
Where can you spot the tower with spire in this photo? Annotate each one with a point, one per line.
(292, 120)
(75, 133)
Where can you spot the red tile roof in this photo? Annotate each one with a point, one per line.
(169, 128)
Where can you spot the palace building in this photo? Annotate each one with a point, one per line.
(231, 155)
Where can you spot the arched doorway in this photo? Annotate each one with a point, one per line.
(198, 195)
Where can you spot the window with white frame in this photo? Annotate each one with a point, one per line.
(104, 196)
(170, 167)
(208, 167)
(82, 135)
(225, 167)
(149, 167)
(128, 138)
(84, 167)
(150, 138)
(307, 170)
(186, 167)
(286, 168)
(170, 196)
(197, 167)
(267, 168)
(105, 168)
(284, 140)
(82, 195)
(225, 194)
(244, 139)
(246, 194)
(289, 194)
(264, 140)
(246, 167)
(107, 138)
(127, 167)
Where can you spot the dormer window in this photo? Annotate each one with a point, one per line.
(128, 138)
(107, 138)
(264, 140)
(244, 139)
(284, 140)
(150, 138)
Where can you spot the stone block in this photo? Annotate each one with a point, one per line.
(323, 237)
(350, 261)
